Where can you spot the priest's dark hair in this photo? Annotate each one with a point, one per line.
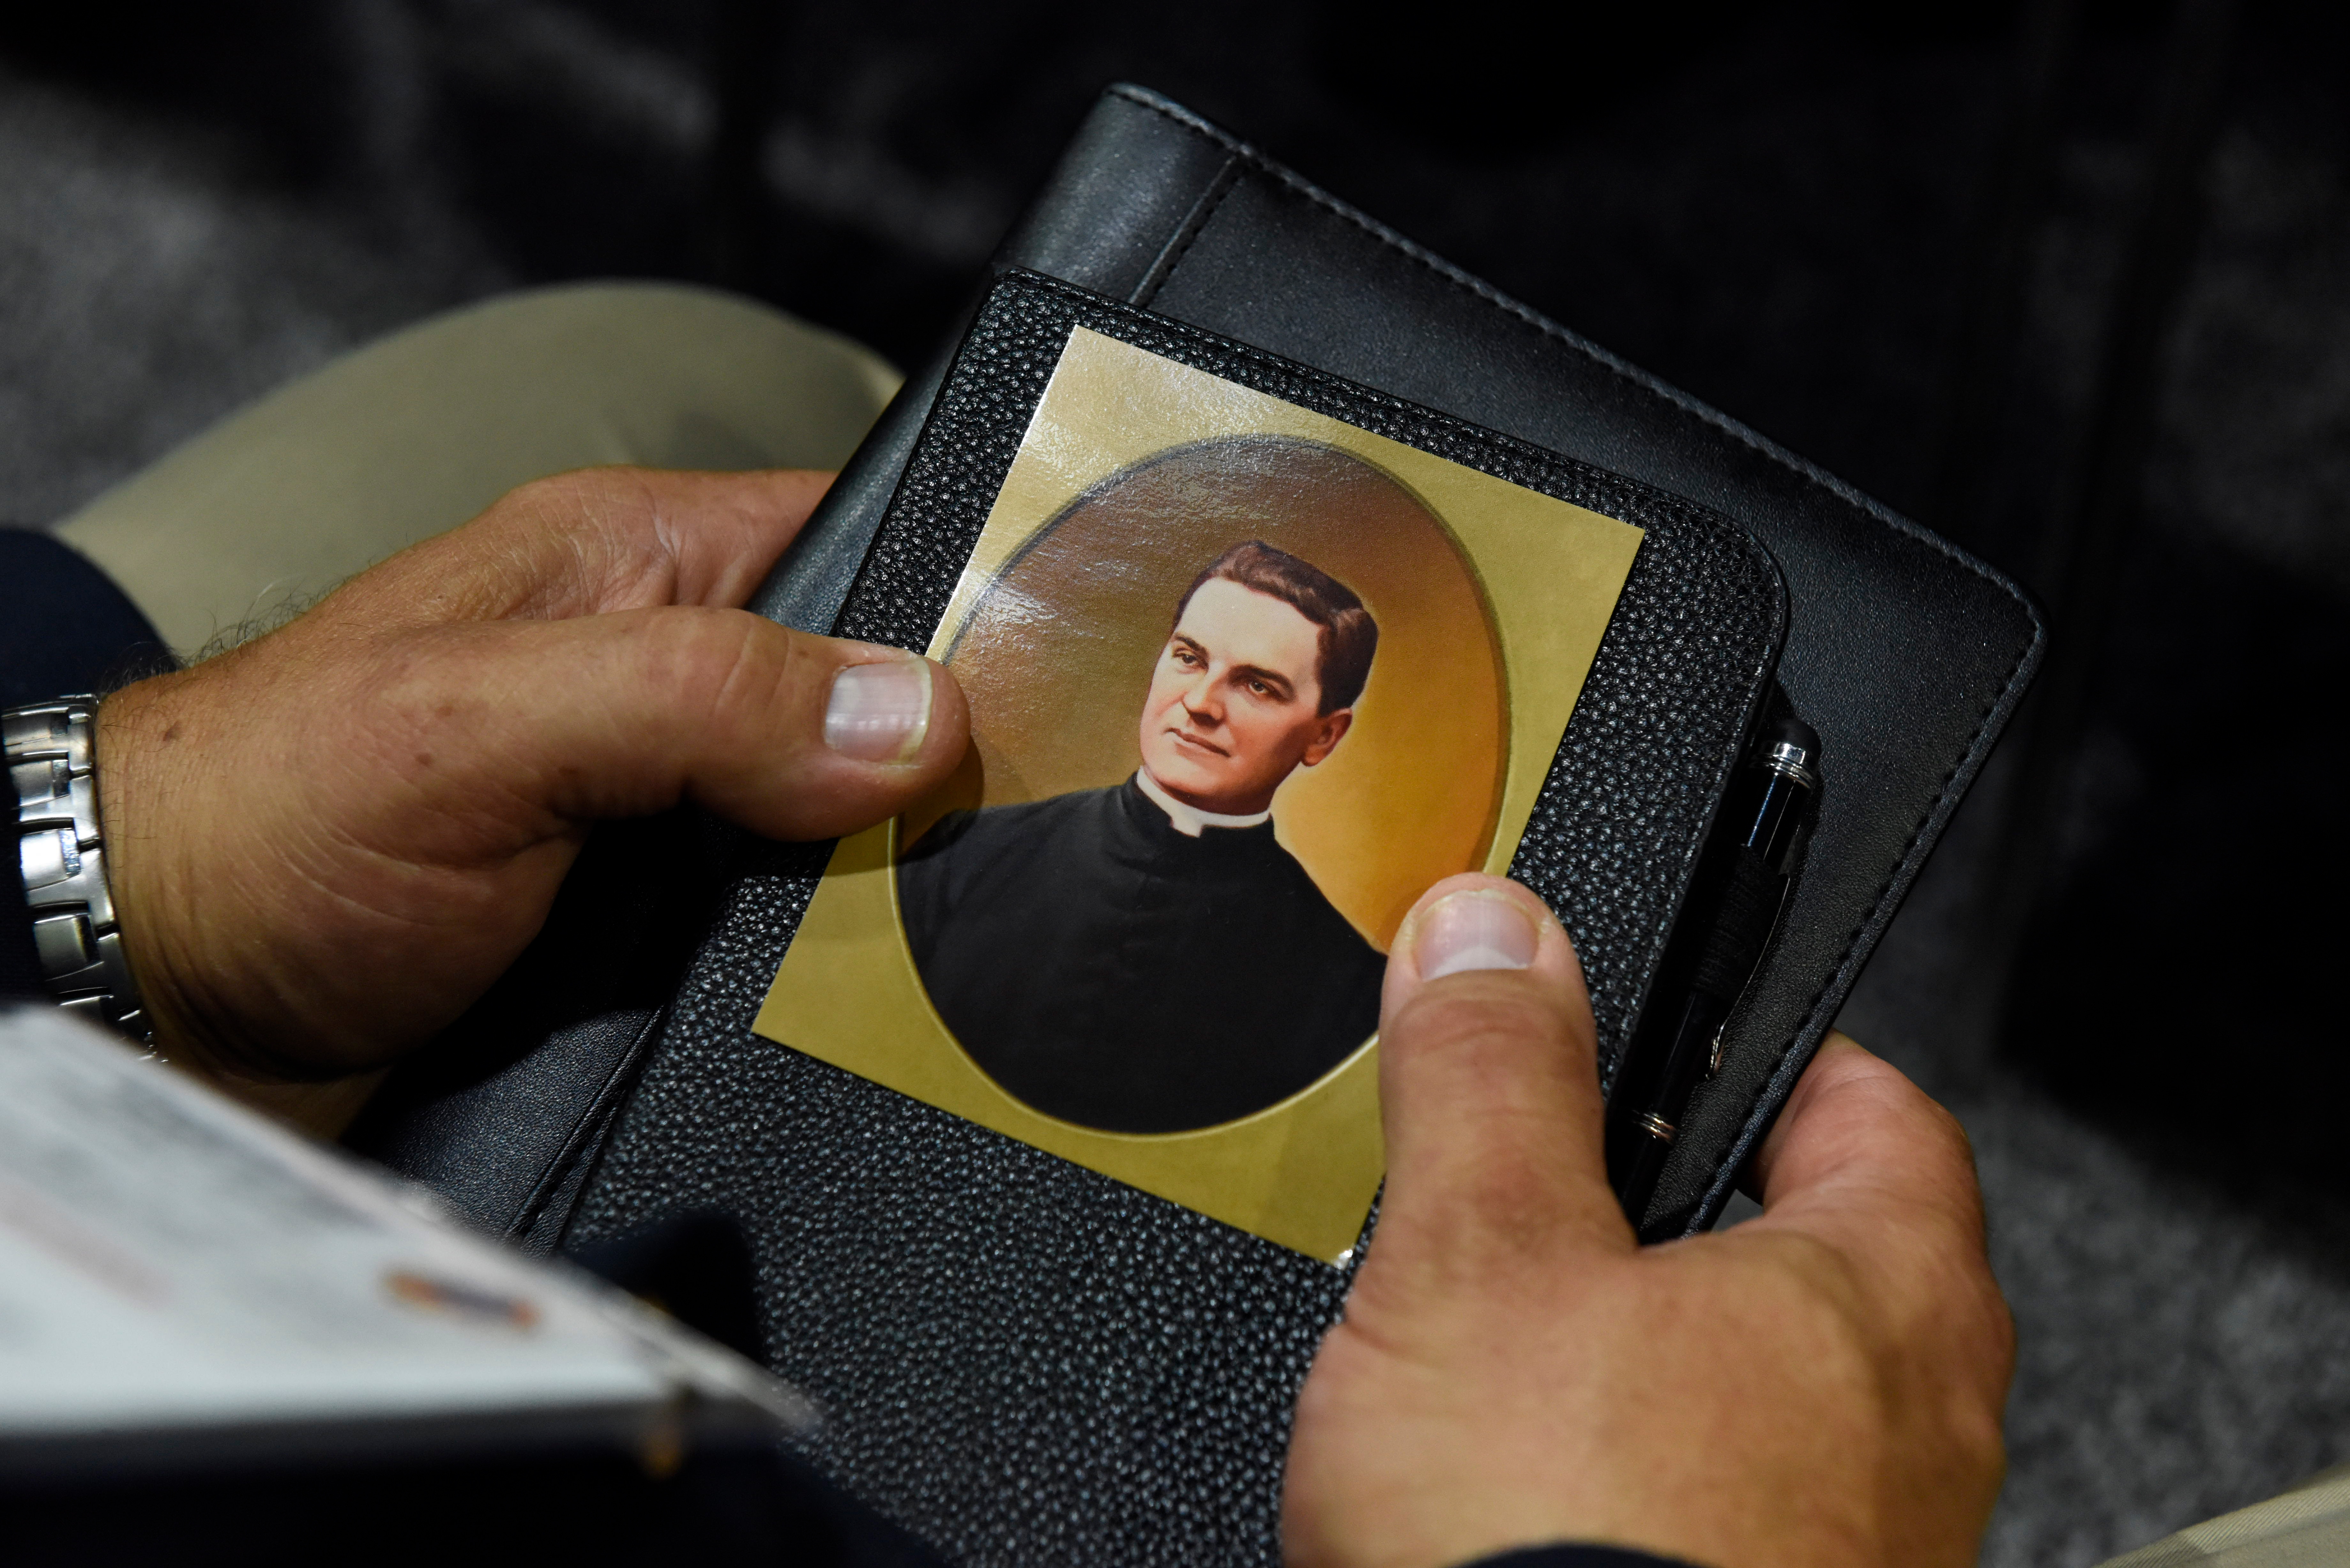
(1349, 635)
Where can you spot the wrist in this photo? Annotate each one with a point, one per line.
(149, 791)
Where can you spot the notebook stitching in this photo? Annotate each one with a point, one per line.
(1195, 224)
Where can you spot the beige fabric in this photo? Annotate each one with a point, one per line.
(2308, 1527)
(414, 434)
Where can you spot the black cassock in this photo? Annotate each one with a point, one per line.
(1109, 969)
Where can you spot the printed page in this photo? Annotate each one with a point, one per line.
(170, 1263)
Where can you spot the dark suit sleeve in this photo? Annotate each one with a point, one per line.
(1568, 1556)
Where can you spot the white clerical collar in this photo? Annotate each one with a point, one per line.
(1190, 819)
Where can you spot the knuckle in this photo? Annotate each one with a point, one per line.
(606, 526)
(1479, 1010)
(1931, 1335)
(1820, 1300)
(580, 504)
(548, 491)
(1511, 1193)
(709, 660)
(1983, 1327)
(1821, 1282)
(587, 490)
(1978, 1432)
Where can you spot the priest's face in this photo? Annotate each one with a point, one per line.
(1233, 700)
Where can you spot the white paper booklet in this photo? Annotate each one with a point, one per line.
(182, 1279)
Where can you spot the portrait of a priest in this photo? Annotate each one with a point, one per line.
(1147, 958)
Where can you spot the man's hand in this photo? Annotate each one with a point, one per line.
(326, 843)
(1820, 1386)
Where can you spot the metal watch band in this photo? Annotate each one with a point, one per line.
(48, 747)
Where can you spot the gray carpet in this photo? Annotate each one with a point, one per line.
(2184, 1305)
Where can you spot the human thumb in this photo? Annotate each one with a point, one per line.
(1489, 1088)
(429, 785)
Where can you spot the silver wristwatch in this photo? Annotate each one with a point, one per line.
(49, 748)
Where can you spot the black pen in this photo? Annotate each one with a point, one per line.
(1732, 906)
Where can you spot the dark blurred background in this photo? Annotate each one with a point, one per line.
(2069, 281)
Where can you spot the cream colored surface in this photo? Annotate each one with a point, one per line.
(1302, 1173)
(416, 433)
(2308, 1527)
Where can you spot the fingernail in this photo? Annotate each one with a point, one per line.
(879, 712)
(1473, 930)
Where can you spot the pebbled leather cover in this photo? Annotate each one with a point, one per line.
(1021, 1360)
(1129, 1400)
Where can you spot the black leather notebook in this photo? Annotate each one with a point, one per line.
(1024, 1359)
(1607, 826)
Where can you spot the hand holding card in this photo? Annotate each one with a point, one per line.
(1006, 1306)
